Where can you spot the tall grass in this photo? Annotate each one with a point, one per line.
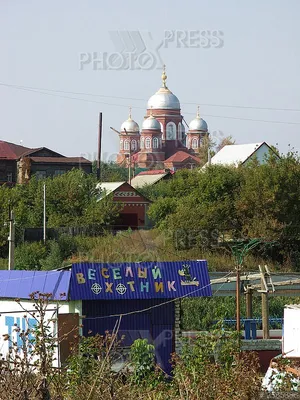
(133, 246)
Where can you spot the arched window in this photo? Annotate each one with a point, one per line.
(121, 144)
(148, 143)
(171, 131)
(162, 130)
(133, 145)
(202, 141)
(180, 131)
(142, 142)
(155, 143)
(126, 145)
(195, 143)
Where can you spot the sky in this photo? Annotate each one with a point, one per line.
(238, 60)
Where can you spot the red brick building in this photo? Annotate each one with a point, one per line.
(134, 205)
(162, 135)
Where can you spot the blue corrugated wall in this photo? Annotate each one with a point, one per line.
(156, 324)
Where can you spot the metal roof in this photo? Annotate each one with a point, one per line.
(235, 154)
(20, 284)
(144, 280)
(11, 151)
(108, 187)
(61, 160)
(143, 180)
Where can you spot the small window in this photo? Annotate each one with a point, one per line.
(155, 143)
(133, 145)
(41, 174)
(194, 143)
(58, 172)
(10, 177)
(126, 145)
(148, 143)
(121, 144)
(142, 142)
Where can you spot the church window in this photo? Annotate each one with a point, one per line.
(121, 144)
(162, 130)
(180, 131)
(133, 145)
(126, 145)
(142, 142)
(148, 143)
(171, 131)
(194, 143)
(155, 143)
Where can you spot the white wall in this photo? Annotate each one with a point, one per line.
(12, 313)
(291, 332)
(260, 154)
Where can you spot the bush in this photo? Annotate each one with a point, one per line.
(54, 258)
(30, 255)
(142, 360)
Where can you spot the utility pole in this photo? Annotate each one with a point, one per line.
(44, 215)
(11, 240)
(99, 147)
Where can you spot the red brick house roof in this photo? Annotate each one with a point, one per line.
(181, 156)
(11, 151)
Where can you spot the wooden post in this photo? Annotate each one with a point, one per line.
(249, 305)
(265, 308)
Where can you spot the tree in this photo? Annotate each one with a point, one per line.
(226, 141)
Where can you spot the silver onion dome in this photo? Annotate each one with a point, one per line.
(130, 126)
(164, 98)
(151, 123)
(198, 124)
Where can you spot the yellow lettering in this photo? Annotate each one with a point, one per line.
(131, 285)
(159, 287)
(104, 273)
(142, 273)
(108, 287)
(80, 278)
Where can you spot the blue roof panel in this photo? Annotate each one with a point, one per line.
(20, 284)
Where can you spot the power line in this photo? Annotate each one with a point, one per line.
(33, 90)
(144, 99)
(160, 304)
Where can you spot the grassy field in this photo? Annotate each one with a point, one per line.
(153, 246)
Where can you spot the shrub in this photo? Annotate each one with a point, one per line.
(142, 360)
(30, 255)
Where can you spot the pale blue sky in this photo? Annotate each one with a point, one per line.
(258, 66)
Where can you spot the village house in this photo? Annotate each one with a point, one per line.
(133, 213)
(18, 163)
(242, 154)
